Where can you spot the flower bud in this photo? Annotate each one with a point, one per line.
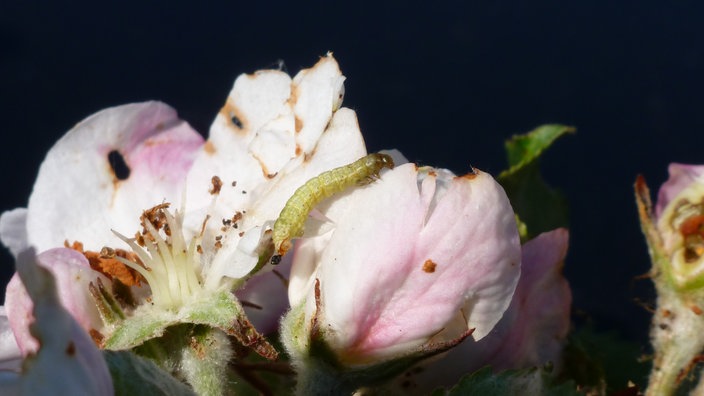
(675, 237)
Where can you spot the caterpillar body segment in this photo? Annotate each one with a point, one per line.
(291, 221)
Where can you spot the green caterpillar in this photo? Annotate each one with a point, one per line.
(292, 218)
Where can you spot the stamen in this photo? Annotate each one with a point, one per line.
(169, 264)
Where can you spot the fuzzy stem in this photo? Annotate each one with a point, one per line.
(677, 336)
(204, 361)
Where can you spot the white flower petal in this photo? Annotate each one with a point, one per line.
(79, 194)
(13, 230)
(10, 355)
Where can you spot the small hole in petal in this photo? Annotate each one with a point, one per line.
(118, 165)
(236, 121)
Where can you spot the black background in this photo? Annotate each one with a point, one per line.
(445, 84)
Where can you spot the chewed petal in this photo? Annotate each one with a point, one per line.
(105, 171)
(269, 128)
(317, 94)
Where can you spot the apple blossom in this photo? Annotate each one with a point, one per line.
(201, 210)
(414, 263)
(675, 240)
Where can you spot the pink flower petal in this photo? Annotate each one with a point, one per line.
(81, 192)
(535, 326)
(268, 292)
(404, 260)
(72, 274)
(67, 362)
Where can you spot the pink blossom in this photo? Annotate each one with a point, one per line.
(72, 273)
(273, 133)
(417, 257)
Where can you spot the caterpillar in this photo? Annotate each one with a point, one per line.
(291, 220)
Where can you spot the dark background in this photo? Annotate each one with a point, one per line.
(445, 84)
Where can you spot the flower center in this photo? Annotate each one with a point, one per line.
(682, 227)
(168, 264)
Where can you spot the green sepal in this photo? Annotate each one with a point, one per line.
(221, 310)
(321, 371)
(540, 207)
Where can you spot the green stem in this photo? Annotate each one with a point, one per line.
(204, 361)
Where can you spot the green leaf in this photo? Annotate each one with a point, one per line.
(539, 207)
(511, 382)
(523, 149)
(603, 361)
(134, 375)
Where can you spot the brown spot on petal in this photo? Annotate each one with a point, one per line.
(235, 116)
(294, 95)
(299, 124)
(216, 185)
(265, 170)
(71, 348)
(209, 148)
(429, 266)
(697, 311)
(299, 150)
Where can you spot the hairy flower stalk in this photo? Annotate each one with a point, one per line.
(675, 238)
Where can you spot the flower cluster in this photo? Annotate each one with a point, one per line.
(159, 242)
